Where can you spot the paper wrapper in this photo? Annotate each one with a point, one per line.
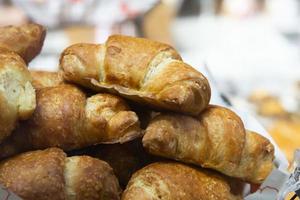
(280, 185)
(7, 195)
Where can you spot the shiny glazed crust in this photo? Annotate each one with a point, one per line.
(26, 40)
(49, 174)
(175, 181)
(216, 139)
(144, 71)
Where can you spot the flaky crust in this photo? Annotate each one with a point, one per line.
(17, 96)
(112, 115)
(26, 40)
(215, 139)
(144, 71)
(66, 118)
(170, 180)
(49, 174)
(42, 79)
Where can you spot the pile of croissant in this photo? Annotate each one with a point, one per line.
(127, 120)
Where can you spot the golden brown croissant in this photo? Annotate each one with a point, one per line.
(66, 118)
(17, 96)
(42, 79)
(215, 139)
(141, 70)
(175, 181)
(50, 174)
(26, 40)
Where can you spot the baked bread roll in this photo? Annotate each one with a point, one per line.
(66, 118)
(175, 181)
(215, 139)
(42, 79)
(141, 70)
(17, 96)
(50, 174)
(26, 40)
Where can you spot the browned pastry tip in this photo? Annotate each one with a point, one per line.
(170, 180)
(84, 63)
(111, 115)
(49, 174)
(42, 79)
(26, 40)
(141, 70)
(260, 154)
(215, 139)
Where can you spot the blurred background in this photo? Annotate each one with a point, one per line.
(249, 49)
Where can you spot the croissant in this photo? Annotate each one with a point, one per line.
(141, 70)
(26, 40)
(66, 118)
(215, 139)
(50, 174)
(167, 180)
(17, 96)
(42, 79)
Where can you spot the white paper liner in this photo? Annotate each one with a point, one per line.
(7, 195)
